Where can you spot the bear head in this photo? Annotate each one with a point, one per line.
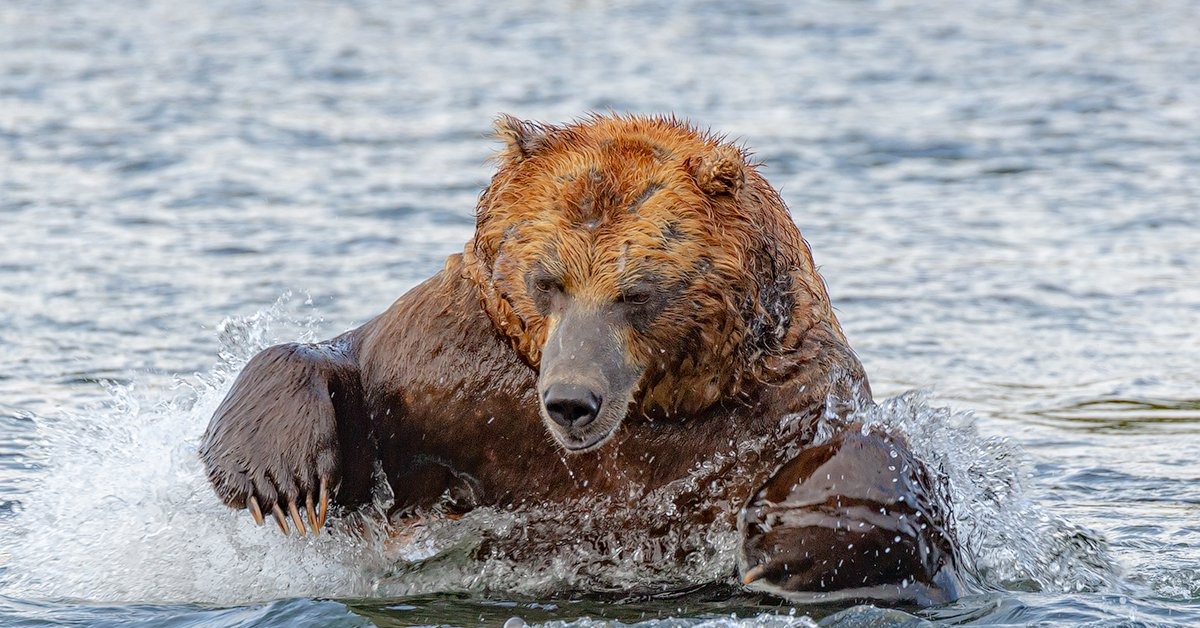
(644, 268)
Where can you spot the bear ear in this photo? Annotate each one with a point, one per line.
(522, 139)
(719, 171)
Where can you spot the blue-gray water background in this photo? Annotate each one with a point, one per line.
(1003, 197)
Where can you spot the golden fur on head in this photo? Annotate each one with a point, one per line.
(608, 203)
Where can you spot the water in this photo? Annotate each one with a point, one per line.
(1003, 198)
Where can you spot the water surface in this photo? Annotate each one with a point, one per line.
(1003, 198)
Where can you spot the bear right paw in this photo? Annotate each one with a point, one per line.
(272, 446)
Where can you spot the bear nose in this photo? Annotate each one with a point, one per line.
(571, 405)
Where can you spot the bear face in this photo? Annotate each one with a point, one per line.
(642, 267)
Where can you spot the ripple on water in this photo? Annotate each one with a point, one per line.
(1001, 194)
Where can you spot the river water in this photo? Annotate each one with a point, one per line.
(1004, 198)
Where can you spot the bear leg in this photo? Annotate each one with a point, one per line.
(858, 517)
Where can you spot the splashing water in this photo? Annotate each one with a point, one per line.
(123, 511)
(1007, 540)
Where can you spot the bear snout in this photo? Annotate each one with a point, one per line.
(586, 380)
(572, 405)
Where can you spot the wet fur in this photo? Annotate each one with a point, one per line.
(863, 489)
(440, 389)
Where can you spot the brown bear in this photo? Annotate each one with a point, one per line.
(634, 289)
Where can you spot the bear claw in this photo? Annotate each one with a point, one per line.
(297, 520)
(753, 574)
(255, 511)
(324, 504)
(312, 515)
(280, 520)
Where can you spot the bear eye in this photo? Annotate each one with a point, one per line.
(543, 285)
(636, 297)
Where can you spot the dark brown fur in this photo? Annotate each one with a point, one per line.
(857, 517)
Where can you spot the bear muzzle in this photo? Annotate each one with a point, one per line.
(586, 381)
